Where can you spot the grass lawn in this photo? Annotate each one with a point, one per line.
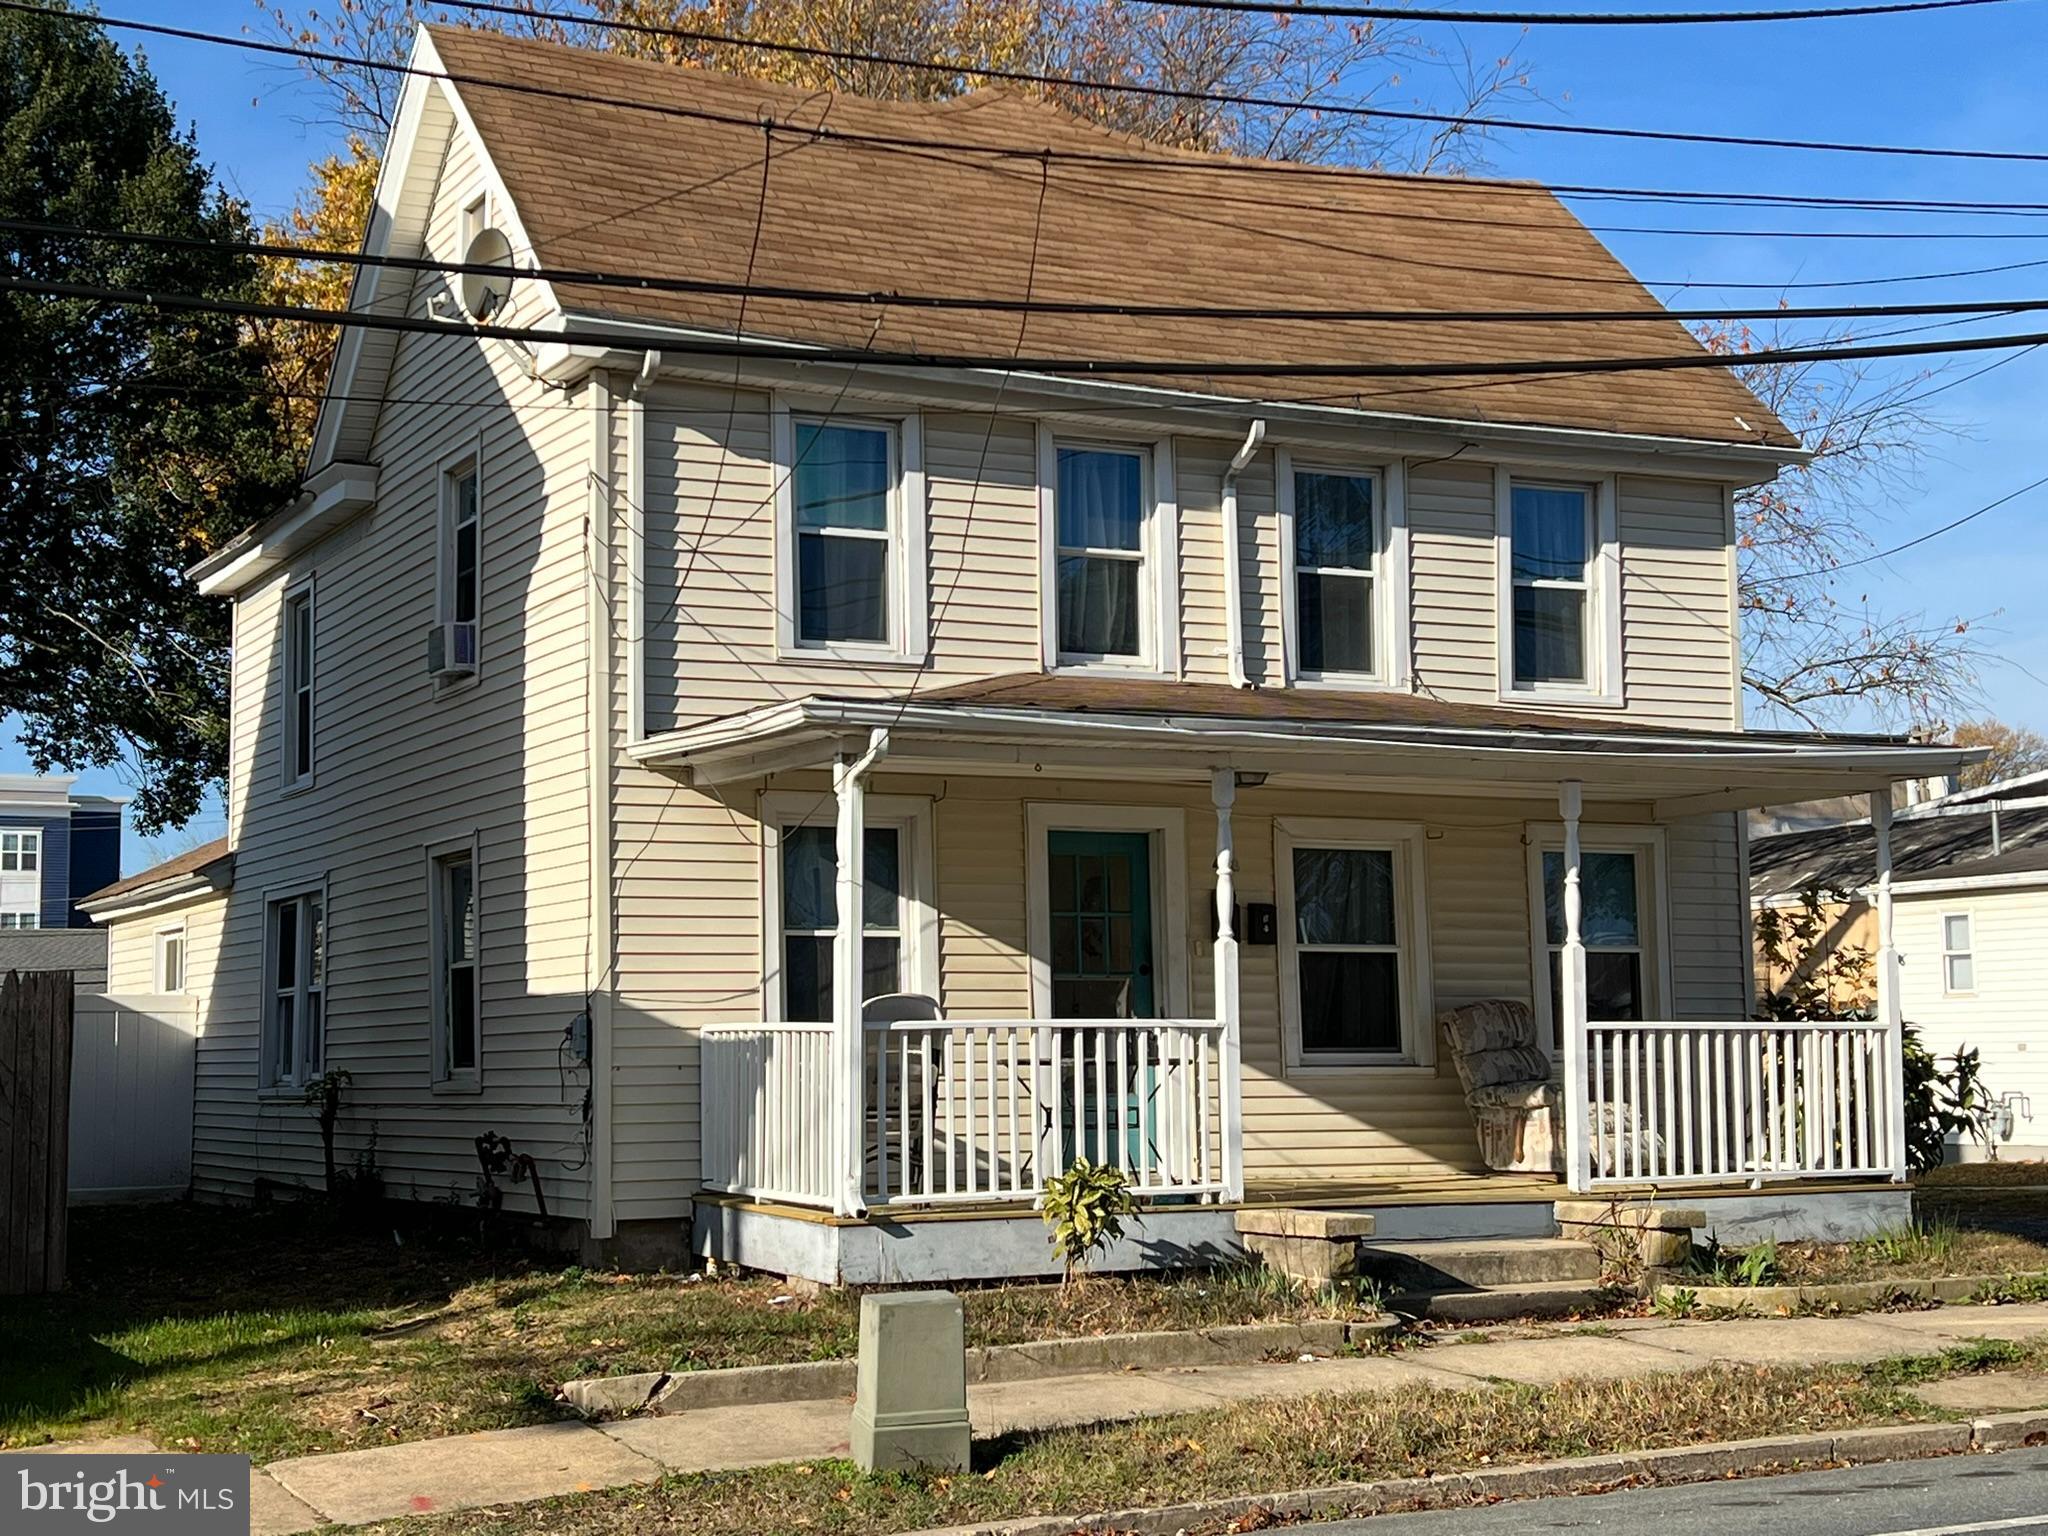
(1928, 1248)
(293, 1330)
(1979, 1175)
(1254, 1448)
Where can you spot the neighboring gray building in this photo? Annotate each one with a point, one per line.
(55, 846)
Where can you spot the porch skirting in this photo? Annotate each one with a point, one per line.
(941, 1247)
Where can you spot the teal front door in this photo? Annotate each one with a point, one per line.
(1099, 896)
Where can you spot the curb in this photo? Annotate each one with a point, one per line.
(670, 1392)
(1768, 1300)
(1583, 1474)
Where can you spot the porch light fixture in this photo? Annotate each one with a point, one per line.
(1249, 780)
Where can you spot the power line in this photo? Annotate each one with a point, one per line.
(644, 282)
(643, 341)
(1576, 18)
(1899, 549)
(1191, 162)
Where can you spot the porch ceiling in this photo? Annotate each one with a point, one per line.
(1158, 730)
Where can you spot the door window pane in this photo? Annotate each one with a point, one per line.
(1099, 907)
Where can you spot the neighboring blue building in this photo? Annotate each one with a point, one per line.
(55, 846)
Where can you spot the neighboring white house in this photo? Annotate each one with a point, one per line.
(1973, 972)
(614, 713)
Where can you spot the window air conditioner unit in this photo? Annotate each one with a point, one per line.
(451, 650)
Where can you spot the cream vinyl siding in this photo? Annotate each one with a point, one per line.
(131, 946)
(2005, 1016)
(1452, 577)
(402, 764)
(1678, 652)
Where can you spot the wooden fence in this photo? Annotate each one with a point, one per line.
(35, 1121)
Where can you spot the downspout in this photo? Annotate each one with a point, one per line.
(849, 787)
(1233, 557)
(600, 945)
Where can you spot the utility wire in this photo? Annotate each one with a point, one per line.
(1579, 18)
(1900, 549)
(1207, 164)
(643, 282)
(686, 346)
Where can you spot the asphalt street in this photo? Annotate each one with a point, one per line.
(2005, 1494)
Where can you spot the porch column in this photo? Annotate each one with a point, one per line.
(1223, 793)
(1578, 1149)
(848, 1109)
(1888, 1013)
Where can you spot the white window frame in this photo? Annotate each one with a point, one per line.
(1390, 640)
(307, 1063)
(161, 980)
(1969, 952)
(473, 221)
(1159, 645)
(909, 598)
(917, 863)
(26, 840)
(443, 1078)
(1406, 841)
(294, 774)
(1648, 845)
(1603, 686)
(465, 461)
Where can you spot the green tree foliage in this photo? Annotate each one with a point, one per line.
(132, 440)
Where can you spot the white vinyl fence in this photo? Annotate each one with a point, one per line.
(132, 1060)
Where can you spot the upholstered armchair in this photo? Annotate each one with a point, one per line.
(1506, 1077)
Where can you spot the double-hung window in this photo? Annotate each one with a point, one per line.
(21, 878)
(457, 1004)
(804, 872)
(1335, 526)
(1353, 950)
(294, 991)
(460, 601)
(1099, 554)
(1958, 959)
(298, 685)
(1619, 925)
(1560, 626)
(850, 540)
(170, 959)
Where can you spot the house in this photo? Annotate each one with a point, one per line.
(55, 845)
(1970, 892)
(803, 755)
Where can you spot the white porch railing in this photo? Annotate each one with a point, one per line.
(1674, 1104)
(973, 1111)
(767, 1111)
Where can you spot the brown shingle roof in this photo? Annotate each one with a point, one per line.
(208, 858)
(613, 188)
(1326, 706)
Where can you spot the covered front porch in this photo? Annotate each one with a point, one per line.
(902, 1102)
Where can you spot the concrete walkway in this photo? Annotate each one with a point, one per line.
(511, 1466)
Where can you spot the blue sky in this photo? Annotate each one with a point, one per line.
(1967, 78)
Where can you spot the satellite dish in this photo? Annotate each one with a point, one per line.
(484, 293)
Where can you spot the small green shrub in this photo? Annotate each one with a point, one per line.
(1677, 1301)
(1086, 1207)
(1758, 1265)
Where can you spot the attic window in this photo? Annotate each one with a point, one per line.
(475, 220)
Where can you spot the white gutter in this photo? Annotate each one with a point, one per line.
(1233, 557)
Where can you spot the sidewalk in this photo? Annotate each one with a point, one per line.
(518, 1465)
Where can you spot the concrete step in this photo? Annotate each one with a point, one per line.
(1544, 1298)
(1470, 1265)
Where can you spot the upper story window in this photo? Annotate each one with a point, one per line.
(1560, 619)
(1109, 583)
(170, 959)
(298, 685)
(850, 537)
(1958, 958)
(1343, 545)
(295, 990)
(459, 602)
(21, 878)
